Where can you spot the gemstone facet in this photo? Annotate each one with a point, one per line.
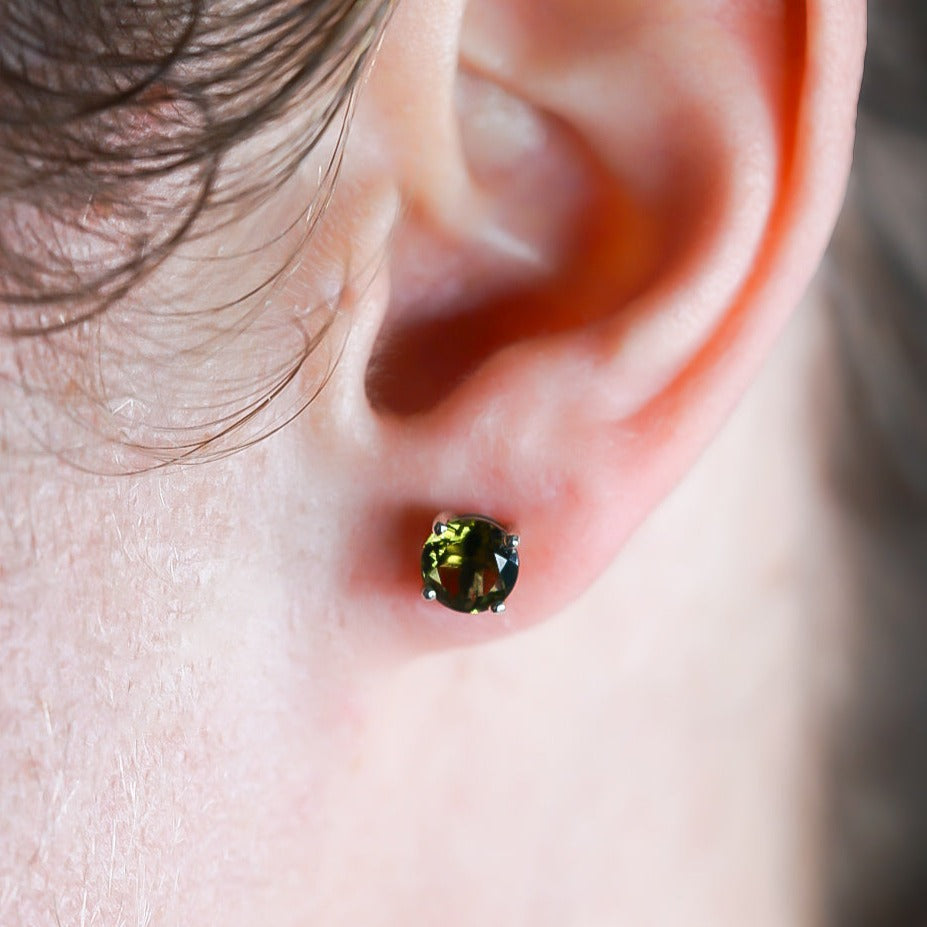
(470, 564)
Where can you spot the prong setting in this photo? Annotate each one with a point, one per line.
(470, 563)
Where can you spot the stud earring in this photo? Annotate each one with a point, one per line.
(470, 564)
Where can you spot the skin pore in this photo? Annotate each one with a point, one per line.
(223, 699)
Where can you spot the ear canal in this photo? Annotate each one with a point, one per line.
(597, 170)
(524, 264)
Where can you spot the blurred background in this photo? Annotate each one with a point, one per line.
(877, 283)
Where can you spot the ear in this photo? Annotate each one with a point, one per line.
(611, 207)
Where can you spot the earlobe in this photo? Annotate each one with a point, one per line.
(561, 371)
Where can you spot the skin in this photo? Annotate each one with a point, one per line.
(223, 699)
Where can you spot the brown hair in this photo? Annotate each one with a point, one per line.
(134, 108)
(124, 134)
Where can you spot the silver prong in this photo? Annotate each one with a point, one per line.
(439, 528)
(512, 540)
(428, 594)
(498, 608)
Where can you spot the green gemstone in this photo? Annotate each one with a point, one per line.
(471, 566)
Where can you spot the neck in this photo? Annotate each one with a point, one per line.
(679, 702)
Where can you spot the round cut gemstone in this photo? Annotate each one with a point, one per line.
(471, 565)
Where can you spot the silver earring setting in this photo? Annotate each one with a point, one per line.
(470, 564)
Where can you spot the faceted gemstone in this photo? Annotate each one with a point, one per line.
(469, 565)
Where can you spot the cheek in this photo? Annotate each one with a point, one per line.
(177, 768)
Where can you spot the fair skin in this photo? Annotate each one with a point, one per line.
(223, 700)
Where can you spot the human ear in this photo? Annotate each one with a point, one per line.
(611, 208)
